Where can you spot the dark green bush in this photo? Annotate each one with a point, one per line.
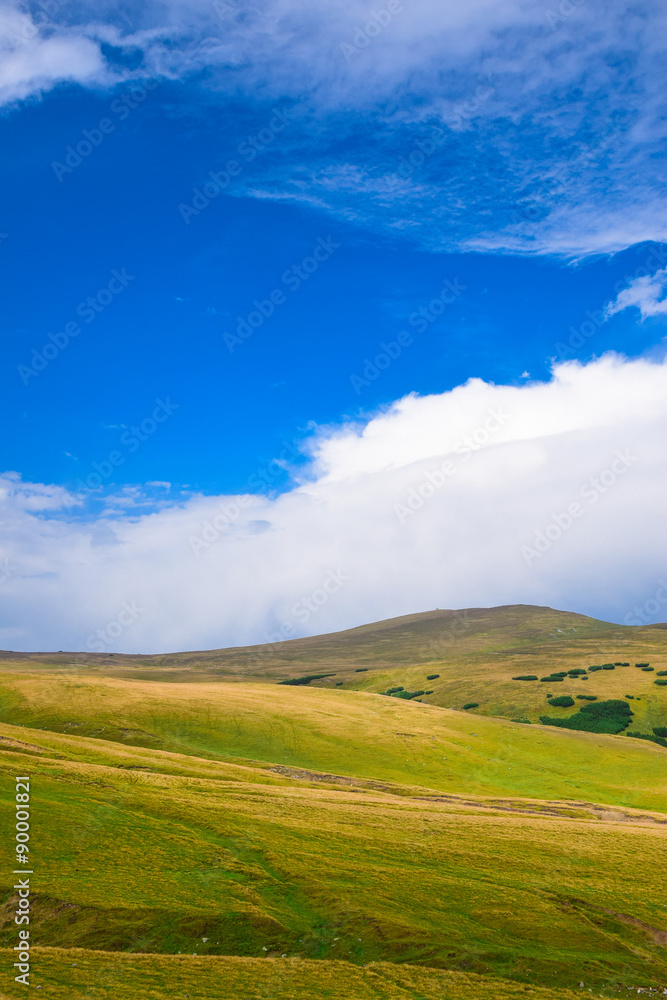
(598, 717)
(361, 670)
(608, 666)
(428, 692)
(563, 702)
(338, 683)
(661, 683)
(661, 673)
(555, 679)
(660, 730)
(619, 664)
(525, 677)
(644, 736)
(642, 664)
(394, 690)
(631, 696)
(432, 677)
(407, 695)
(575, 673)
(588, 697)
(299, 681)
(596, 667)
(648, 670)
(471, 704)
(526, 722)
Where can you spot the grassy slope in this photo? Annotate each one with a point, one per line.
(107, 976)
(328, 824)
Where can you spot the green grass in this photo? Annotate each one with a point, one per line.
(388, 847)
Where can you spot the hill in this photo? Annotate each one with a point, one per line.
(202, 828)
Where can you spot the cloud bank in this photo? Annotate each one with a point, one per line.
(548, 493)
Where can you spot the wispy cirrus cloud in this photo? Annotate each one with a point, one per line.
(648, 294)
(541, 136)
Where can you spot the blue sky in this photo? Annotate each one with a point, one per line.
(504, 163)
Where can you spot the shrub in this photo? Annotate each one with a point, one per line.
(642, 664)
(407, 695)
(594, 668)
(619, 664)
(432, 677)
(625, 664)
(394, 690)
(559, 673)
(631, 696)
(648, 670)
(645, 736)
(338, 683)
(599, 717)
(361, 670)
(575, 673)
(588, 697)
(471, 704)
(661, 673)
(661, 683)
(563, 702)
(428, 692)
(555, 679)
(525, 677)
(660, 730)
(526, 722)
(608, 666)
(299, 681)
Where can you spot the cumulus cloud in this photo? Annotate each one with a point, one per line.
(647, 293)
(548, 493)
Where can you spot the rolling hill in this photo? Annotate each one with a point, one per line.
(202, 828)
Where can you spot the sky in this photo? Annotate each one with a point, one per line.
(317, 314)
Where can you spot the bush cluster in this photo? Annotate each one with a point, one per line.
(298, 681)
(394, 690)
(648, 670)
(361, 670)
(525, 677)
(660, 730)
(599, 717)
(645, 736)
(563, 702)
(661, 673)
(642, 664)
(588, 697)
(432, 677)
(471, 704)
(555, 677)
(661, 683)
(576, 673)
(630, 696)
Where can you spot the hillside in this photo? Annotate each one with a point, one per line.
(202, 828)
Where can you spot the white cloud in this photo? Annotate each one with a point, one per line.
(648, 294)
(519, 457)
(34, 57)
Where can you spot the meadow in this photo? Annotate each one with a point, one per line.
(231, 836)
